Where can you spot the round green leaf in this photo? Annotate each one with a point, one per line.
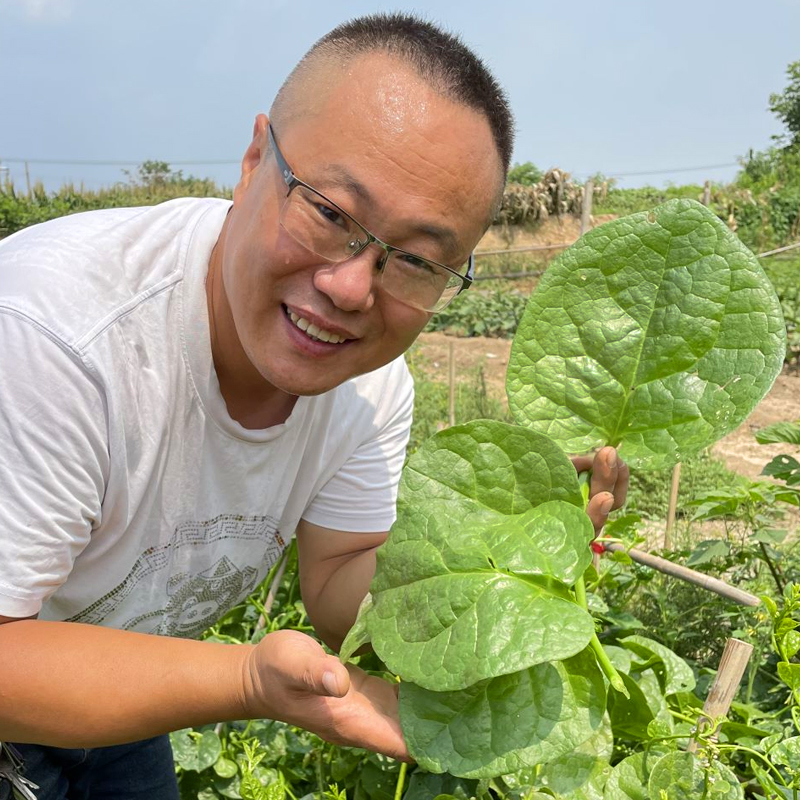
(681, 776)
(225, 768)
(675, 674)
(583, 773)
(454, 629)
(629, 778)
(504, 724)
(489, 466)
(658, 332)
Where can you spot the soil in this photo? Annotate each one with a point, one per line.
(739, 449)
(555, 230)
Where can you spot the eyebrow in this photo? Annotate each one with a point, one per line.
(339, 177)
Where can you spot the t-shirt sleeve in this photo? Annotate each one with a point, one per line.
(362, 496)
(54, 464)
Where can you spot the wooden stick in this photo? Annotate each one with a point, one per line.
(452, 384)
(673, 505)
(685, 574)
(723, 690)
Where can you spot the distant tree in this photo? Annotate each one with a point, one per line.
(527, 174)
(786, 104)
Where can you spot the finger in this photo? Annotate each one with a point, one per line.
(598, 510)
(582, 463)
(621, 487)
(605, 470)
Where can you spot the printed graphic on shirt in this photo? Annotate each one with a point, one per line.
(194, 600)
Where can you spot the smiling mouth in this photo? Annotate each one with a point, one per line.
(312, 331)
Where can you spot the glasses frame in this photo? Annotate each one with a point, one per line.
(292, 182)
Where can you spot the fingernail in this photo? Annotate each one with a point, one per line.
(331, 684)
(607, 504)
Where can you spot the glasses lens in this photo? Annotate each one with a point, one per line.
(418, 282)
(321, 226)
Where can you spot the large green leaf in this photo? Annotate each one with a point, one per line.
(489, 466)
(681, 776)
(673, 672)
(658, 332)
(581, 774)
(504, 724)
(629, 778)
(446, 611)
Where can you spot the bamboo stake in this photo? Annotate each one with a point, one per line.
(452, 366)
(685, 574)
(673, 505)
(723, 690)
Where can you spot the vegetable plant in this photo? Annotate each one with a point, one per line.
(656, 333)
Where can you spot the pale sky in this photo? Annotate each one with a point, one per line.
(617, 87)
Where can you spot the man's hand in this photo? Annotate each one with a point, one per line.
(609, 485)
(291, 678)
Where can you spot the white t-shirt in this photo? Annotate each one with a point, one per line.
(128, 495)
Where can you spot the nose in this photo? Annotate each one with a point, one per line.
(351, 284)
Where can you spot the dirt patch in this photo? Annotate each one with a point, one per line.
(554, 230)
(739, 449)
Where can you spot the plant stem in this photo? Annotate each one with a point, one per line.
(401, 779)
(772, 568)
(609, 670)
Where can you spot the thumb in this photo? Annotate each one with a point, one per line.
(329, 677)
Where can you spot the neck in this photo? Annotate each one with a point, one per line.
(250, 399)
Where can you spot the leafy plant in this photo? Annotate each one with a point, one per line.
(479, 599)
(658, 333)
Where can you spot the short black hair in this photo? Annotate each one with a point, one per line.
(441, 58)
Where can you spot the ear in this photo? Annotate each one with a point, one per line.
(253, 155)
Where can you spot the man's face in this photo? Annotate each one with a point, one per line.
(417, 170)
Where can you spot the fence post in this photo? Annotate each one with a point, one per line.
(731, 668)
(707, 193)
(28, 179)
(586, 209)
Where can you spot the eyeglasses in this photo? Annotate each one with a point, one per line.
(321, 226)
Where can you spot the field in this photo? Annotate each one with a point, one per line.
(658, 641)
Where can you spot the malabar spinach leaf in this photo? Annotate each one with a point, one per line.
(581, 774)
(447, 612)
(658, 332)
(673, 672)
(525, 718)
(681, 776)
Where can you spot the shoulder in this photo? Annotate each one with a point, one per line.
(71, 272)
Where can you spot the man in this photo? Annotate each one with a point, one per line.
(188, 385)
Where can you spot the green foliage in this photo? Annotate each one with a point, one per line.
(786, 104)
(629, 201)
(648, 494)
(526, 174)
(658, 332)
(431, 401)
(480, 313)
(153, 183)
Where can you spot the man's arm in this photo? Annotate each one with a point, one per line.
(72, 685)
(336, 568)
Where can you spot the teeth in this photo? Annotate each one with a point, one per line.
(311, 330)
